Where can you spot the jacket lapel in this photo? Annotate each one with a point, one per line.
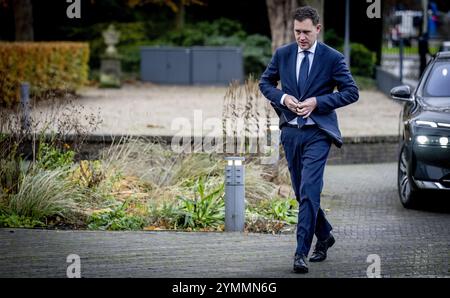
(314, 68)
(292, 67)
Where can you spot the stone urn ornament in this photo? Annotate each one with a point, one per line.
(110, 68)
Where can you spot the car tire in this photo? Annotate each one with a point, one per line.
(407, 190)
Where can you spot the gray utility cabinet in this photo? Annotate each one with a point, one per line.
(166, 65)
(195, 65)
(216, 65)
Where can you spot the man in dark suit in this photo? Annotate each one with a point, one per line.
(309, 71)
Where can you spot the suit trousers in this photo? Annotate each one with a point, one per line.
(306, 151)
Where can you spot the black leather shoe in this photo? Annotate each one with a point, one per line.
(320, 251)
(300, 265)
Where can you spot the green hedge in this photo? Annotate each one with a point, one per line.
(47, 66)
(362, 60)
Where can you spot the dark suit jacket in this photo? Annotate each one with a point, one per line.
(328, 71)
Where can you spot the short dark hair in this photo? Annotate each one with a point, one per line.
(307, 12)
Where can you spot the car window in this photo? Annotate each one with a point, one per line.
(438, 83)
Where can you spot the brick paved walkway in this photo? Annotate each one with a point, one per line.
(363, 206)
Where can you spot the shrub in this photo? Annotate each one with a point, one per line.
(257, 54)
(221, 27)
(257, 50)
(332, 39)
(132, 37)
(47, 66)
(185, 37)
(131, 55)
(362, 60)
(217, 33)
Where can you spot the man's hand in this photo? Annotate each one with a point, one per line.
(291, 102)
(305, 108)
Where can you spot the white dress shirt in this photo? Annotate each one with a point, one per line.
(300, 57)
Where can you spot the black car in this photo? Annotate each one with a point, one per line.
(424, 155)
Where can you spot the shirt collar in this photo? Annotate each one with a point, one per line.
(311, 49)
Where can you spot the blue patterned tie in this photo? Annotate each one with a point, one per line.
(302, 77)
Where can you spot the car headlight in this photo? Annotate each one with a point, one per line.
(422, 140)
(432, 140)
(425, 123)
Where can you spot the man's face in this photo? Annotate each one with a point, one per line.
(306, 33)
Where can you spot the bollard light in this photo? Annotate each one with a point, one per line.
(25, 105)
(234, 194)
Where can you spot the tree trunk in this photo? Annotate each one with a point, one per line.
(23, 19)
(318, 4)
(180, 15)
(281, 19)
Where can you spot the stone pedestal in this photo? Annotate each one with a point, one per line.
(110, 72)
(110, 68)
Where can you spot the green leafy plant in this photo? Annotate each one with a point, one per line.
(165, 215)
(115, 219)
(204, 210)
(279, 209)
(17, 221)
(284, 209)
(50, 157)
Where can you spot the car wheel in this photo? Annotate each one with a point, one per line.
(407, 190)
